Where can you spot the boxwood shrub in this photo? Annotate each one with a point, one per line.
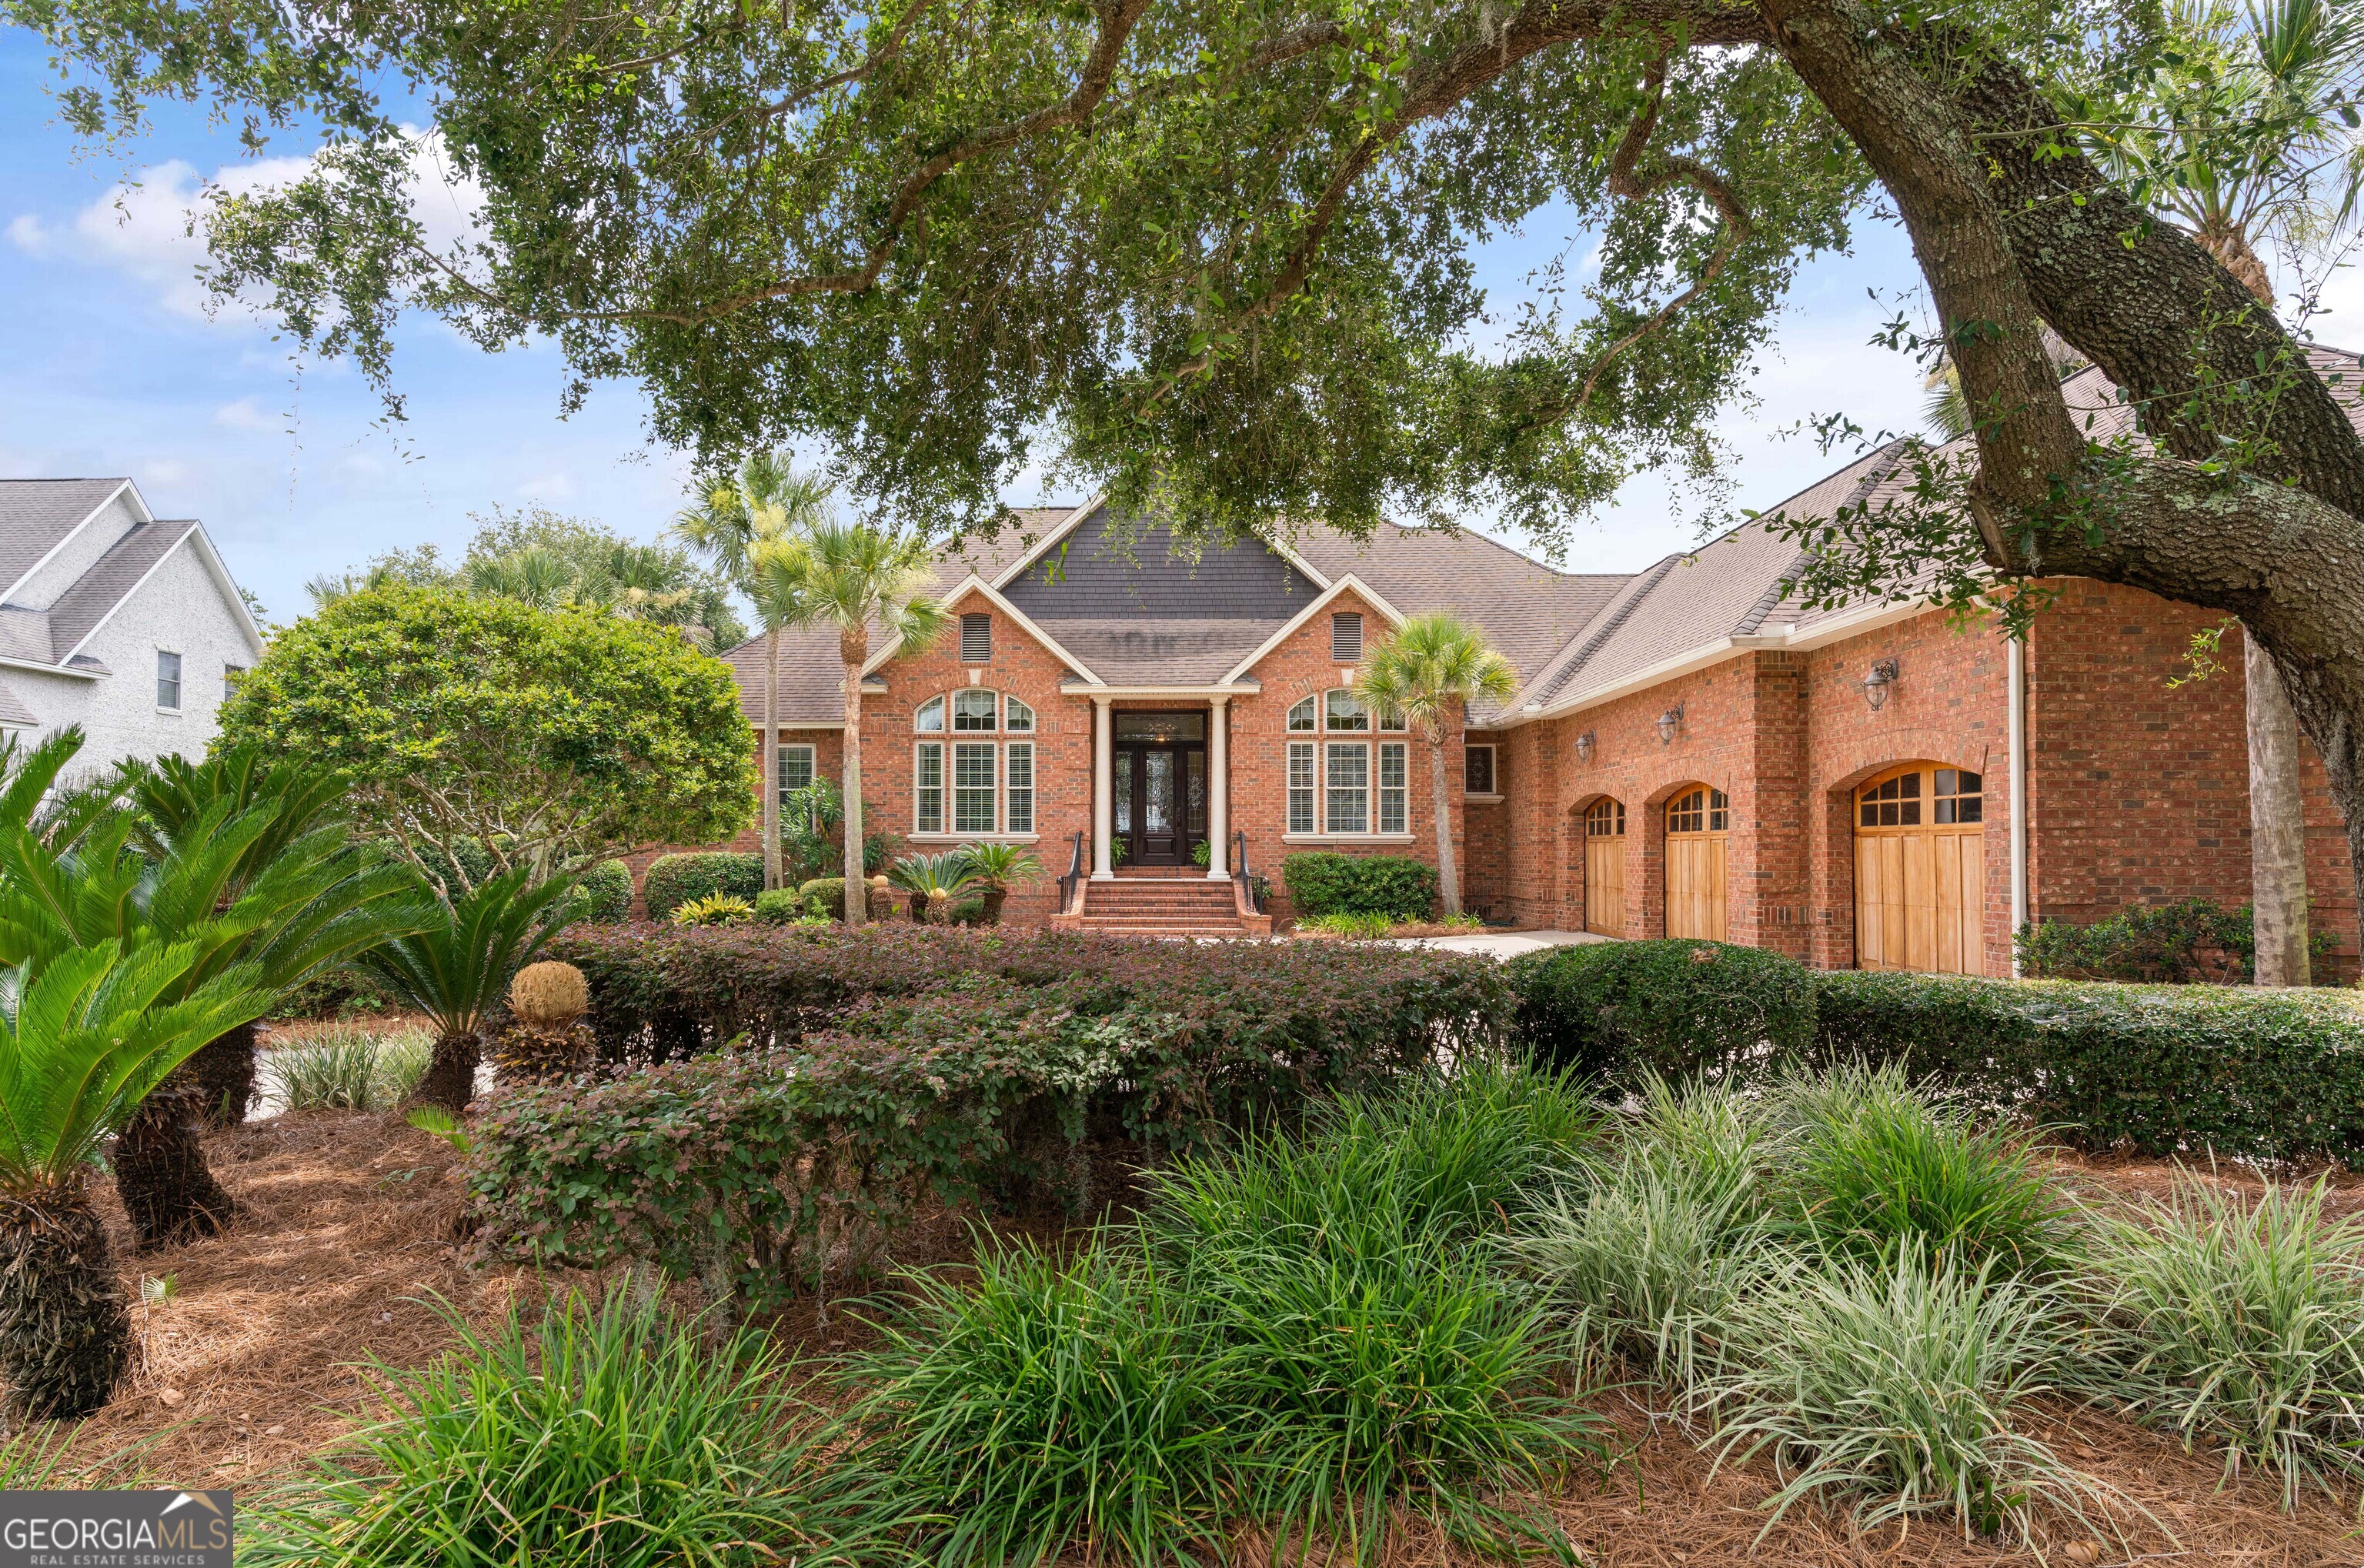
(832, 1079)
(604, 894)
(1677, 1007)
(1324, 882)
(675, 880)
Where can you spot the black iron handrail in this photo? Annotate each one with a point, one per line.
(1072, 880)
(1240, 872)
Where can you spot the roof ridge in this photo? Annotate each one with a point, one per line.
(1556, 675)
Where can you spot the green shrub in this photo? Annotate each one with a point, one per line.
(1894, 1387)
(348, 1069)
(612, 1436)
(1677, 1008)
(829, 892)
(784, 906)
(334, 994)
(2238, 1324)
(1366, 927)
(604, 894)
(2161, 1070)
(1329, 884)
(2194, 942)
(675, 880)
(714, 909)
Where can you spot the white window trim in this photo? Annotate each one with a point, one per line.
(974, 837)
(999, 832)
(955, 789)
(1379, 788)
(180, 681)
(1350, 838)
(943, 787)
(1370, 788)
(1493, 770)
(943, 704)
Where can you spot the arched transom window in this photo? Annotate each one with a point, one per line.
(1342, 785)
(973, 786)
(1702, 809)
(1952, 796)
(1604, 818)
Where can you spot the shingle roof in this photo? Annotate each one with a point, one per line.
(1161, 650)
(36, 515)
(811, 677)
(12, 709)
(98, 591)
(1114, 568)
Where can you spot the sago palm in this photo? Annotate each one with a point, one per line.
(1430, 670)
(995, 867)
(853, 575)
(931, 880)
(765, 501)
(86, 1035)
(456, 970)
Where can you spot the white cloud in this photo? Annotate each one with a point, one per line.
(245, 414)
(150, 226)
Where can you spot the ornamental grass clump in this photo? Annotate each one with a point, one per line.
(612, 1434)
(348, 1068)
(2237, 1325)
(1874, 1163)
(1054, 1401)
(1892, 1386)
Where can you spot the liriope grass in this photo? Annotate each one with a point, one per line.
(348, 1067)
(2236, 1325)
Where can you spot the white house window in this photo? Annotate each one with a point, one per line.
(973, 787)
(972, 708)
(168, 679)
(1394, 777)
(1301, 782)
(977, 639)
(231, 675)
(930, 719)
(1019, 786)
(793, 766)
(1391, 719)
(1349, 789)
(1302, 715)
(1478, 769)
(928, 788)
(1016, 717)
(1347, 637)
(1346, 712)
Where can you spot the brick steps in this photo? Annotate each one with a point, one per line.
(1162, 905)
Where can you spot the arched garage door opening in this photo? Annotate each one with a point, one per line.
(1920, 871)
(1698, 831)
(1604, 867)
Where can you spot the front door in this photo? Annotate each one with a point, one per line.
(1159, 789)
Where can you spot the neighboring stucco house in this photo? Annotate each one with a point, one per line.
(1691, 751)
(115, 620)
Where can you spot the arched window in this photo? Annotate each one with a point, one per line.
(1344, 713)
(1920, 871)
(1605, 818)
(1016, 717)
(1701, 810)
(930, 719)
(976, 786)
(1345, 787)
(973, 710)
(1697, 840)
(1302, 715)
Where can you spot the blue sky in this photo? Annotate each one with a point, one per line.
(109, 366)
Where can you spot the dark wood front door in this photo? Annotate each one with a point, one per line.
(1159, 788)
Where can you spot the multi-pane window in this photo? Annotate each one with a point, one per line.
(1896, 803)
(793, 766)
(168, 679)
(1300, 786)
(1016, 717)
(1394, 778)
(1605, 818)
(1018, 787)
(973, 710)
(930, 719)
(977, 639)
(1702, 810)
(1347, 637)
(1960, 796)
(928, 788)
(973, 785)
(1348, 789)
(1346, 712)
(1302, 715)
(1478, 769)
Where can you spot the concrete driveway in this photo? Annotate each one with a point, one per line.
(1502, 944)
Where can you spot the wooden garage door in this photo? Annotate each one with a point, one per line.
(1604, 868)
(1697, 833)
(1920, 872)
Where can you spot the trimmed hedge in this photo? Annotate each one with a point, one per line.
(830, 891)
(865, 1070)
(675, 880)
(1324, 882)
(604, 897)
(1677, 1007)
(2190, 943)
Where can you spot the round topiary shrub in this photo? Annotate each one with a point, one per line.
(676, 880)
(830, 891)
(604, 897)
(1677, 1008)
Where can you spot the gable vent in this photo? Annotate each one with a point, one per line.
(977, 639)
(1346, 638)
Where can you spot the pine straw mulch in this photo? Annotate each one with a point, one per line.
(249, 1365)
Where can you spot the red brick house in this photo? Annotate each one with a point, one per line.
(1692, 753)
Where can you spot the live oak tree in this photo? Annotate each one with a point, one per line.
(1218, 254)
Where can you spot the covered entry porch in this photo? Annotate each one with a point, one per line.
(1161, 784)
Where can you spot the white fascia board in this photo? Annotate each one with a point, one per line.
(1289, 629)
(139, 513)
(39, 668)
(214, 566)
(1083, 689)
(1066, 526)
(1854, 623)
(974, 584)
(218, 570)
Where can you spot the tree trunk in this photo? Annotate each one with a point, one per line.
(2277, 826)
(993, 898)
(1448, 874)
(853, 650)
(168, 1191)
(64, 1334)
(771, 768)
(451, 1080)
(222, 1071)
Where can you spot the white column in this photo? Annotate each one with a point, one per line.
(1218, 791)
(1103, 789)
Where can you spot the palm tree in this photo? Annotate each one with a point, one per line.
(854, 574)
(1433, 666)
(765, 502)
(995, 867)
(931, 880)
(457, 969)
(86, 1035)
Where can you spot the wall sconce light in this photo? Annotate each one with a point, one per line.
(1876, 684)
(1584, 744)
(1669, 722)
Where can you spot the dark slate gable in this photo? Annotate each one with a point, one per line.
(1110, 569)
